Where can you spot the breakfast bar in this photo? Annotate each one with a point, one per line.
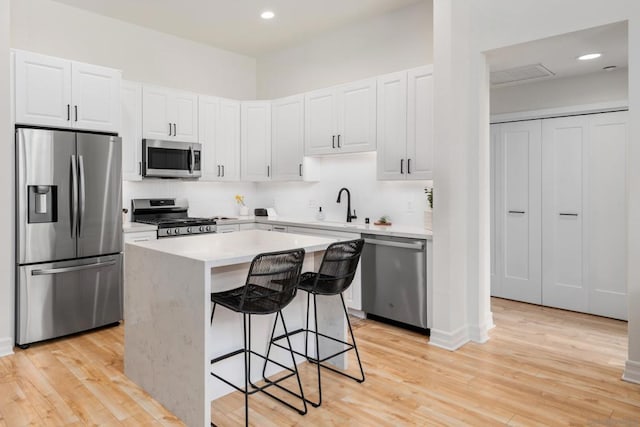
(169, 342)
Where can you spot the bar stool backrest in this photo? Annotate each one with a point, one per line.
(272, 280)
(339, 266)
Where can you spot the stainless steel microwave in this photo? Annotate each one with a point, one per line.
(171, 159)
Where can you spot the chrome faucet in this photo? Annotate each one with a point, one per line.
(349, 215)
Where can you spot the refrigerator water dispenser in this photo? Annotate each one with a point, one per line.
(43, 203)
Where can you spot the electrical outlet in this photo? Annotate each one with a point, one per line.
(410, 206)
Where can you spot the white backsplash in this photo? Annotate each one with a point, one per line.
(403, 201)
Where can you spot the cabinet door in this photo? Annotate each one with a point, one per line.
(156, 123)
(606, 214)
(207, 133)
(184, 116)
(420, 123)
(392, 126)
(356, 118)
(131, 131)
(95, 97)
(496, 285)
(287, 138)
(43, 90)
(563, 170)
(518, 211)
(228, 139)
(255, 141)
(320, 122)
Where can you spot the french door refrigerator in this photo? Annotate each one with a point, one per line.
(68, 233)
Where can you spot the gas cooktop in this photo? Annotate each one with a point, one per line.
(171, 218)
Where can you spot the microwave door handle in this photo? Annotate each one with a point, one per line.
(82, 194)
(191, 160)
(73, 201)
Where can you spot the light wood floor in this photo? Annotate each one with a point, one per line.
(541, 367)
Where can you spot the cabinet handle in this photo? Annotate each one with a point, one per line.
(516, 212)
(76, 111)
(268, 171)
(333, 141)
(170, 130)
(68, 112)
(408, 166)
(218, 170)
(139, 168)
(300, 169)
(568, 214)
(175, 129)
(401, 166)
(338, 140)
(223, 171)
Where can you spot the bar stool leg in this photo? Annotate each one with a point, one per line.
(353, 339)
(247, 355)
(315, 319)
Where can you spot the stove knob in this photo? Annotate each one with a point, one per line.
(208, 228)
(201, 228)
(176, 231)
(188, 229)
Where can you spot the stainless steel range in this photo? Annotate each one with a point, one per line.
(171, 218)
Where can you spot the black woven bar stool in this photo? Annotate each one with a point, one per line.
(335, 275)
(270, 286)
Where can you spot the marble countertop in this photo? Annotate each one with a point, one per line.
(355, 227)
(218, 250)
(137, 227)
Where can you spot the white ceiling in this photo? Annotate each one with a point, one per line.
(558, 54)
(236, 25)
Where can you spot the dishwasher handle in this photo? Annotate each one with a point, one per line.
(417, 246)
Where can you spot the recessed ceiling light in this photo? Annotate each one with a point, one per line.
(267, 14)
(589, 56)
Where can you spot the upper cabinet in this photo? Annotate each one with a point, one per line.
(287, 138)
(255, 140)
(219, 134)
(405, 125)
(169, 114)
(131, 131)
(341, 119)
(56, 92)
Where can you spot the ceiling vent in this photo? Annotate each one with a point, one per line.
(520, 74)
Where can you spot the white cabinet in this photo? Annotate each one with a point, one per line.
(227, 228)
(255, 141)
(560, 212)
(405, 125)
(56, 92)
(248, 226)
(131, 131)
(287, 140)
(353, 294)
(140, 236)
(169, 114)
(517, 211)
(219, 134)
(341, 119)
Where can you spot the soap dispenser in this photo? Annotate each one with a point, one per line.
(320, 214)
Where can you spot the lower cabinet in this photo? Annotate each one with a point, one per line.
(353, 295)
(140, 236)
(227, 228)
(560, 213)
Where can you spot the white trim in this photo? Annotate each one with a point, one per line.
(574, 110)
(631, 372)
(480, 333)
(449, 340)
(6, 346)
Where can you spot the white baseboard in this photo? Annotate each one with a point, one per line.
(357, 313)
(6, 346)
(480, 333)
(449, 340)
(631, 372)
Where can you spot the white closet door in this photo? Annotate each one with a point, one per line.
(605, 203)
(518, 211)
(496, 285)
(564, 163)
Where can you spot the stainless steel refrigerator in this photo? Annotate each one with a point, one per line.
(68, 233)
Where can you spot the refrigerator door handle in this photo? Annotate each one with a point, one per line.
(73, 201)
(81, 191)
(72, 269)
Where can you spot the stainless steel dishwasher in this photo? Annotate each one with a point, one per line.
(394, 279)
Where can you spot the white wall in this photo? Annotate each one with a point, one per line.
(464, 30)
(144, 55)
(380, 45)
(562, 92)
(6, 189)
(404, 202)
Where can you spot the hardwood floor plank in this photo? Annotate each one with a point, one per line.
(541, 366)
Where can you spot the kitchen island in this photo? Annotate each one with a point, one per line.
(168, 339)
